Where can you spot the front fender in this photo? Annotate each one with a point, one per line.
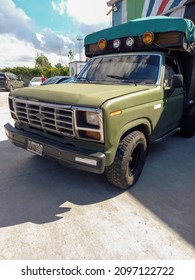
(141, 124)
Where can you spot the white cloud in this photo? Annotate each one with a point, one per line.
(15, 21)
(56, 43)
(85, 11)
(88, 11)
(59, 7)
(20, 43)
(16, 52)
(19, 53)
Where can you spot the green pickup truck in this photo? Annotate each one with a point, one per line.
(137, 87)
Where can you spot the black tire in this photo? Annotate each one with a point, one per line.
(129, 161)
(188, 126)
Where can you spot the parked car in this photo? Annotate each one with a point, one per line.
(36, 81)
(10, 81)
(69, 80)
(55, 80)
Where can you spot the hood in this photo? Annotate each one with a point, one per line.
(91, 95)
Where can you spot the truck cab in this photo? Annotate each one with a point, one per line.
(148, 79)
(136, 88)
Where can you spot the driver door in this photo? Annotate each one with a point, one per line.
(173, 98)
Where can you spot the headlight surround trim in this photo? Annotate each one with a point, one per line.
(89, 121)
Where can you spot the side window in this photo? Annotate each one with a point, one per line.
(2, 77)
(171, 68)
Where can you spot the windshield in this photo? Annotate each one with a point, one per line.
(131, 68)
(36, 79)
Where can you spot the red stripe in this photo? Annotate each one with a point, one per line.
(162, 6)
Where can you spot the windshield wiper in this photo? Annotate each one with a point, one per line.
(83, 79)
(122, 79)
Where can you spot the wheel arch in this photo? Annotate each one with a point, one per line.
(142, 125)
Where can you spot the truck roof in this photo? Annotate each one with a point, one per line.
(138, 27)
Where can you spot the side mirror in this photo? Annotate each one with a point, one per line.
(177, 81)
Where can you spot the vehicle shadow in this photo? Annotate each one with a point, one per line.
(33, 189)
(167, 185)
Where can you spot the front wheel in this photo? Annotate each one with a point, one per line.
(129, 161)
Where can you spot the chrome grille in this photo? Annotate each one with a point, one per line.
(51, 118)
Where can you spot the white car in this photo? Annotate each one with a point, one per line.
(36, 81)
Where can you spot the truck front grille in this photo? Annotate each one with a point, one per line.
(51, 118)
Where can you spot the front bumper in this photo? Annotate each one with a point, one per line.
(70, 156)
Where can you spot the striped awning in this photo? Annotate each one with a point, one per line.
(112, 2)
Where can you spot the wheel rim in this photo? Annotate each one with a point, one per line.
(135, 159)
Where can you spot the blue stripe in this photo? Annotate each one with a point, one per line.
(175, 4)
(150, 8)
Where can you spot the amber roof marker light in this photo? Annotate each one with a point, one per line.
(102, 44)
(148, 38)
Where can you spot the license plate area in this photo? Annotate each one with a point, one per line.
(35, 148)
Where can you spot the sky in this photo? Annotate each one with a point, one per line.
(29, 28)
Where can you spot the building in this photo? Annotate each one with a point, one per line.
(125, 10)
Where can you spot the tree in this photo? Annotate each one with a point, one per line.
(58, 65)
(70, 55)
(42, 61)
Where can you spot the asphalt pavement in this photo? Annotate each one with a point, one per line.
(48, 211)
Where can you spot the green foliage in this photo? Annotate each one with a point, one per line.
(58, 65)
(42, 61)
(42, 67)
(26, 73)
(70, 55)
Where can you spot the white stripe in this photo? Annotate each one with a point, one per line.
(168, 5)
(145, 9)
(124, 11)
(155, 8)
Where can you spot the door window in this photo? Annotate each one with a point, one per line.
(171, 68)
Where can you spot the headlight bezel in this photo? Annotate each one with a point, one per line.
(89, 124)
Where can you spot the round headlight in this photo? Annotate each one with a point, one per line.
(116, 43)
(130, 41)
